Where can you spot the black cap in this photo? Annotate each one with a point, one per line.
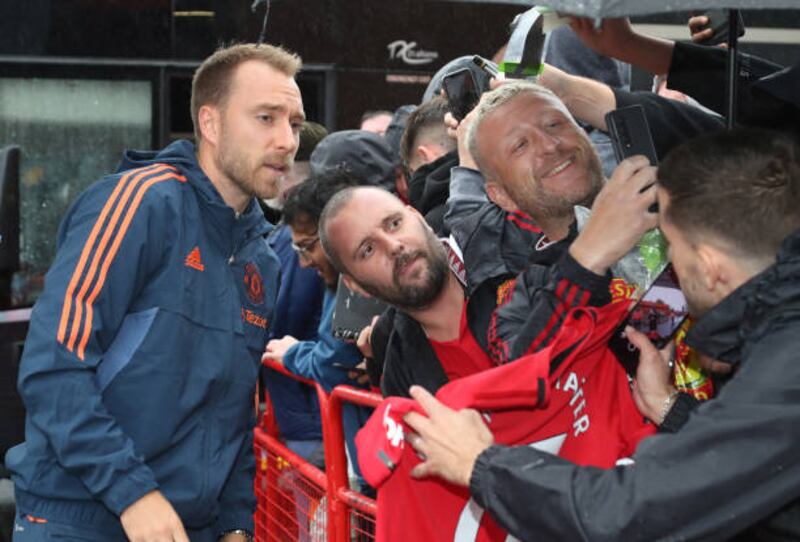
(365, 155)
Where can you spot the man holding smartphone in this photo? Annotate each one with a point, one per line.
(735, 464)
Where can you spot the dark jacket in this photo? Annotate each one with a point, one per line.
(493, 242)
(143, 352)
(734, 464)
(297, 313)
(429, 188)
(766, 92)
(537, 301)
(671, 122)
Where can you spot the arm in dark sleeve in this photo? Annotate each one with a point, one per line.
(541, 297)
(733, 463)
(678, 415)
(701, 72)
(467, 195)
(671, 122)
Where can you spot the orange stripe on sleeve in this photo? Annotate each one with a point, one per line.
(87, 250)
(101, 248)
(87, 326)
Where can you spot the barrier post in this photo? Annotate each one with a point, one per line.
(348, 503)
(289, 489)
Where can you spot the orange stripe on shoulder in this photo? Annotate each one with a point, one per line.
(87, 249)
(114, 206)
(112, 252)
(101, 249)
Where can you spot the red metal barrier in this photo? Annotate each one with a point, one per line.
(292, 494)
(299, 502)
(354, 514)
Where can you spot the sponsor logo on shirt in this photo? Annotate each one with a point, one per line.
(254, 319)
(504, 291)
(621, 290)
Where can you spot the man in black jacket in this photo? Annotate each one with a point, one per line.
(735, 464)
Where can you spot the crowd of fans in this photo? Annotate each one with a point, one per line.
(508, 246)
(472, 233)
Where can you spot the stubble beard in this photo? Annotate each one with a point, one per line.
(234, 165)
(541, 203)
(416, 296)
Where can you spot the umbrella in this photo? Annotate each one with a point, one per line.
(604, 9)
(599, 9)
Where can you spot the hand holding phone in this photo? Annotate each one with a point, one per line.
(653, 385)
(658, 315)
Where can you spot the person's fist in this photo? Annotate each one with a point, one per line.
(152, 519)
(277, 348)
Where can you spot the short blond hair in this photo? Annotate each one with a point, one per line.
(212, 81)
(493, 100)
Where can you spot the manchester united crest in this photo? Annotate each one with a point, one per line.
(253, 284)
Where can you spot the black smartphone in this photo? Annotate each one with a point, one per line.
(718, 21)
(658, 314)
(630, 133)
(353, 312)
(461, 91)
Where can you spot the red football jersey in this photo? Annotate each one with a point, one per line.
(462, 356)
(581, 409)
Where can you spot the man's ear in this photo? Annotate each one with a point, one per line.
(500, 197)
(351, 283)
(425, 153)
(209, 119)
(712, 266)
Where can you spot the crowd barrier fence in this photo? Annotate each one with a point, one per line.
(296, 501)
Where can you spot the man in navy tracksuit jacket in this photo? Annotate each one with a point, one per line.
(140, 366)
